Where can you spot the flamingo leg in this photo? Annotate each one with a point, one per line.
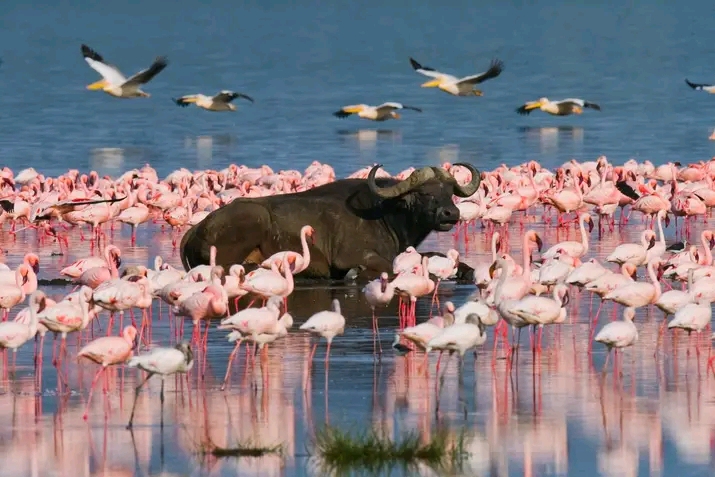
(136, 396)
(91, 390)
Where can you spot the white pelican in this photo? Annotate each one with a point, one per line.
(457, 86)
(701, 87)
(382, 112)
(113, 81)
(564, 107)
(219, 102)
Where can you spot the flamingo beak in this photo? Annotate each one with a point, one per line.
(712, 241)
(567, 298)
(36, 266)
(590, 225)
(667, 220)
(651, 243)
(539, 243)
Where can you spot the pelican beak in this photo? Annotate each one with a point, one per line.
(431, 84)
(492, 269)
(352, 109)
(101, 84)
(532, 105)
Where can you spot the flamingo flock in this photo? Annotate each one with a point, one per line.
(530, 291)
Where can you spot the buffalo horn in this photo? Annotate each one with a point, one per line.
(463, 190)
(416, 179)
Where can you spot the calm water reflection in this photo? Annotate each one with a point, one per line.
(555, 415)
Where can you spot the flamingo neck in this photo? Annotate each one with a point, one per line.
(526, 257)
(306, 249)
(584, 236)
(654, 279)
(708, 259)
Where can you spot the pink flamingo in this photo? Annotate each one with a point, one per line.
(271, 283)
(443, 268)
(75, 270)
(406, 261)
(414, 285)
(134, 216)
(327, 324)
(14, 334)
(378, 293)
(12, 295)
(7, 275)
(108, 351)
(233, 283)
(572, 248)
(301, 261)
(200, 272)
(95, 276)
(66, 317)
(209, 303)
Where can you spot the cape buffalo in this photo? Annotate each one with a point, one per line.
(360, 224)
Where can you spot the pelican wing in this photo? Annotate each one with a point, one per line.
(96, 62)
(700, 86)
(580, 102)
(495, 69)
(69, 205)
(391, 106)
(146, 75)
(185, 100)
(425, 70)
(627, 190)
(228, 96)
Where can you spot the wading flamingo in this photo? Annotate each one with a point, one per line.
(327, 324)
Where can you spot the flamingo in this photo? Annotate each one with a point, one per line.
(14, 334)
(272, 283)
(76, 269)
(406, 261)
(66, 317)
(571, 248)
(586, 273)
(634, 253)
(443, 268)
(164, 362)
(108, 351)
(693, 317)
(618, 334)
(541, 310)
(95, 276)
(12, 295)
(134, 216)
(199, 272)
(302, 261)
(413, 285)
(378, 293)
(209, 303)
(422, 333)
(7, 275)
(327, 324)
(638, 294)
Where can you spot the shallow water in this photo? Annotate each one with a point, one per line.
(302, 61)
(553, 415)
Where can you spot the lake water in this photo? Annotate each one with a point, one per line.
(301, 61)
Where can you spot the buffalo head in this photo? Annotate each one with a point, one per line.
(427, 194)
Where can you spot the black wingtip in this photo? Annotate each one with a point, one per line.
(245, 96)
(676, 247)
(88, 52)
(692, 85)
(414, 64)
(627, 190)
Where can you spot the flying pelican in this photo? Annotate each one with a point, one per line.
(382, 112)
(113, 81)
(703, 87)
(457, 86)
(564, 107)
(219, 102)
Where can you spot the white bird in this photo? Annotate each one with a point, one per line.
(475, 306)
(556, 269)
(586, 273)
(618, 334)
(565, 107)
(572, 248)
(634, 253)
(383, 112)
(378, 293)
(457, 86)
(219, 102)
(692, 317)
(638, 294)
(164, 362)
(327, 324)
(542, 310)
(113, 81)
(459, 337)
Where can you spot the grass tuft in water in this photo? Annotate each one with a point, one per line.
(341, 450)
(245, 449)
